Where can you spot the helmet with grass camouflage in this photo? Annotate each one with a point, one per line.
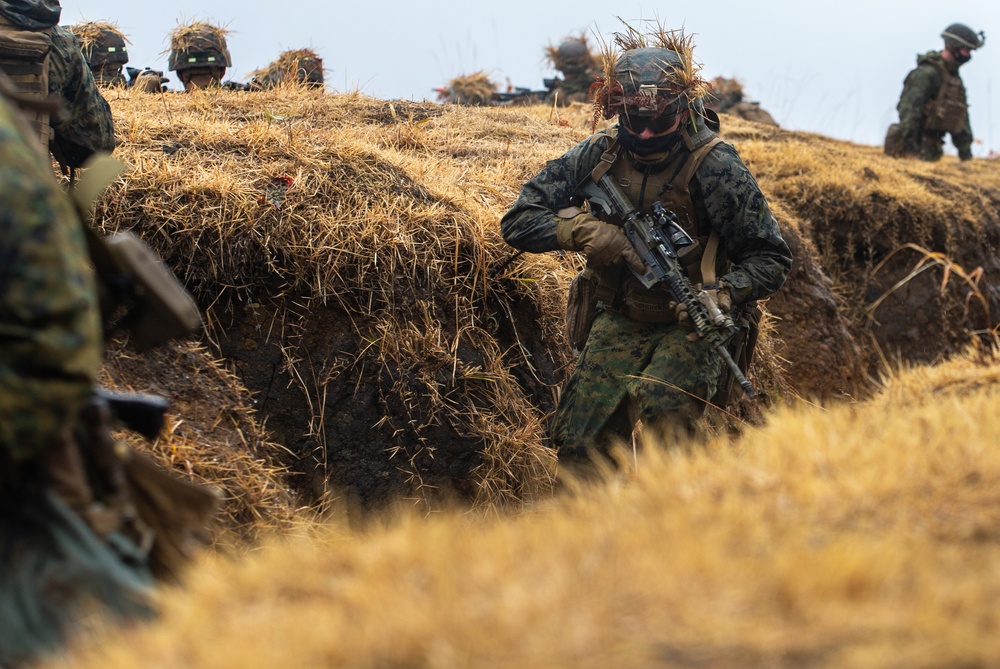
(651, 82)
(572, 54)
(108, 49)
(959, 35)
(199, 45)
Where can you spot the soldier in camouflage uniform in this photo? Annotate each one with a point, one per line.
(199, 54)
(638, 362)
(933, 101)
(55, 566)
(573, 59)
(84, 125)
(105, 48)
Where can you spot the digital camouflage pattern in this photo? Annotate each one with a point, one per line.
(920, 89)
(55, 567)
(631, 371)
(84, 126)
(599, 394)
(49, 319)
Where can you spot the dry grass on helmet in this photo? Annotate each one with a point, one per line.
(288, 63)
(89, 32)
(688, 75)
(183, 37)
(474, 89)
(552, 50)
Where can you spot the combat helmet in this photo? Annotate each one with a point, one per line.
(199, 48)
(958, 35)
(104, 48)
(298, 66)
(571, 56)
(649, 75)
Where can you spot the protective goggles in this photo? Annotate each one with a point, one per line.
(637, 123)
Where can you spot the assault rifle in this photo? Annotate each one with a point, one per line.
(656, 238)
(519, 95)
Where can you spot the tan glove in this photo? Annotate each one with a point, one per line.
(603, 244)
(722, 298)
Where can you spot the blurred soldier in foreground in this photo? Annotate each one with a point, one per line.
(85, 523)
(300, 66)
(639, 360)
(45, 59)
(104, 47)
(933, 100)
(199, 55)
(578, 68)
(727, 98)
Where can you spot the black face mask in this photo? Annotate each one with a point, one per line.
(962, 60)
(645, 147)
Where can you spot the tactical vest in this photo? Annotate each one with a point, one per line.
(24, 57)
(618, 289)
(948, 111)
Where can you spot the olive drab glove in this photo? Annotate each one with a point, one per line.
(603, 244)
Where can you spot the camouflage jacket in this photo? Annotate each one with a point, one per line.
(50, 332)
(921, 86)
(723, 192)
(84, 126)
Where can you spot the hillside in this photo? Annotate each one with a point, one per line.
(347, 255)
(370, 347)
(862, 535)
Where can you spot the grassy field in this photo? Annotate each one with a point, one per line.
(361, 343)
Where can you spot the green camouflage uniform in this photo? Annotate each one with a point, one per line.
(630, 370)
(54, 565)
(921, 87)
(84, 126)
(49, 319)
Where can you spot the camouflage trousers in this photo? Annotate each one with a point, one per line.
(631, 371)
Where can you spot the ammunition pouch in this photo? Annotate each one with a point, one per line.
(581, 308)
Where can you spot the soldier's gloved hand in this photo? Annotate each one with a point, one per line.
(603, 244)
(684, 320)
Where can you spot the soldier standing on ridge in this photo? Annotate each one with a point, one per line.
(44, 58)
(933, 101)
(573, 59)
(199, 55)
(104, 47)
(638, 361)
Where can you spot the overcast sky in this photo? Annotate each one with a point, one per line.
(833, 68)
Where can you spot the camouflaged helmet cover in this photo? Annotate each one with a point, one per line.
(102, 43)
(649, 73)
(198, 45)
(958, 35)
(302, 66)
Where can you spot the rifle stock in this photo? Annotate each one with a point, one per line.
(656, 238)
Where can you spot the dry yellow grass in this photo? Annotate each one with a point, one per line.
(854, 536)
